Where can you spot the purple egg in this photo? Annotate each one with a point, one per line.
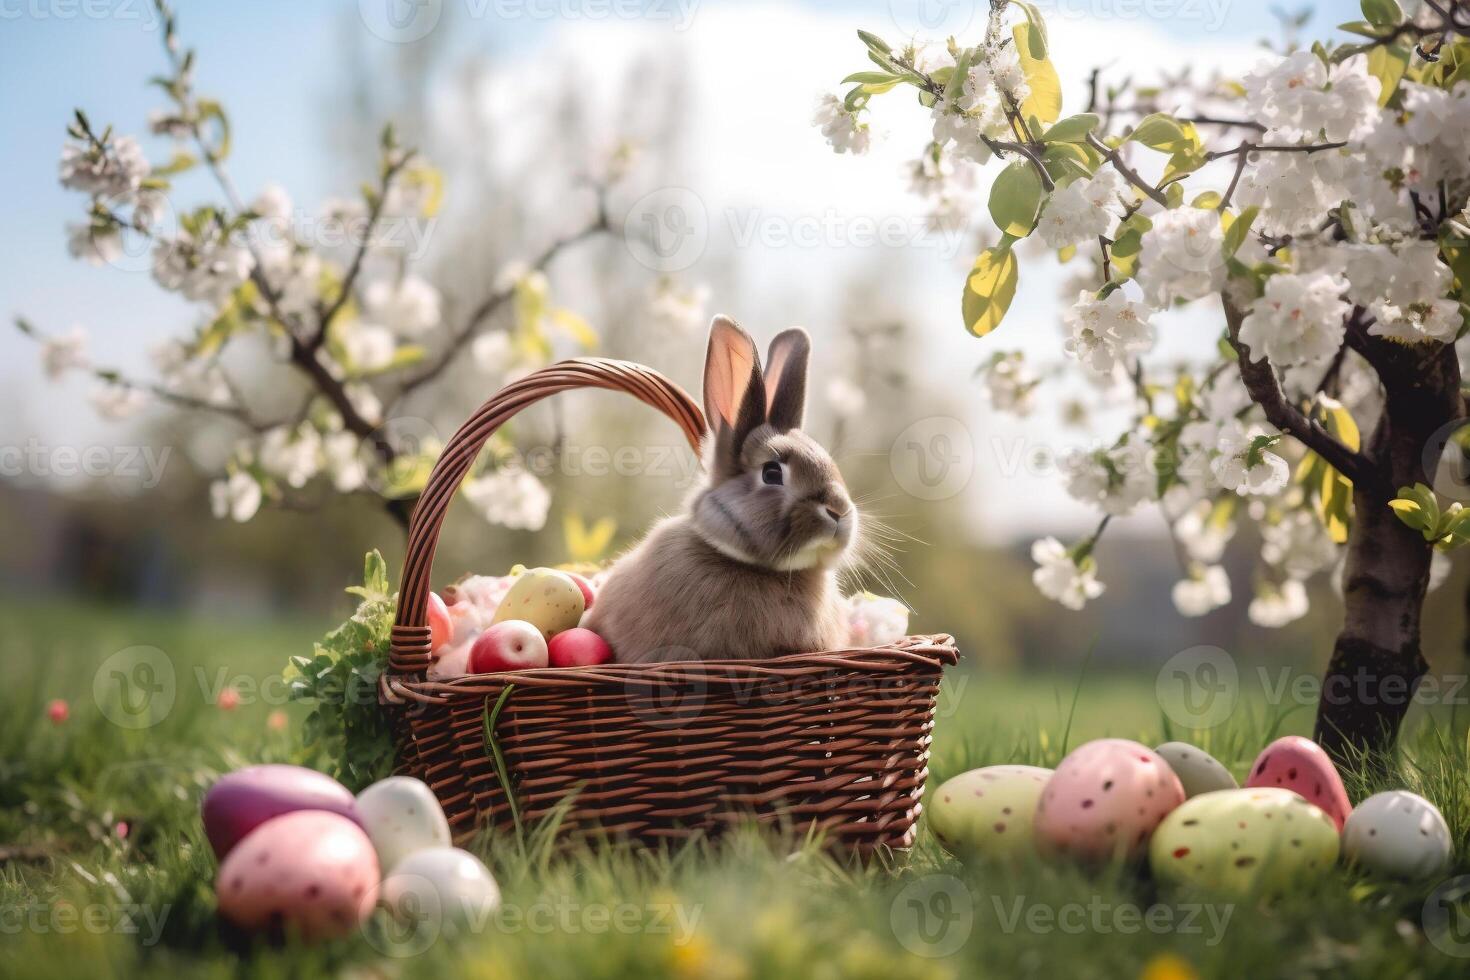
(240, 801)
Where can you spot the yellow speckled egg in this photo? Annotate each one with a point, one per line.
(988, 811)
(1262, 841)
(545, 598)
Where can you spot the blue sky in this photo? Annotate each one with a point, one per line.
(277, 65)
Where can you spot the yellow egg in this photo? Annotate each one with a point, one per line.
(545, 598)
(1260, 841)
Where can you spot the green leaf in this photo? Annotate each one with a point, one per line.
(990, 288)
(1383, 13)
(870, 77)
(1015, 199)
(1240, 226)
(1045, 100)
(1361, 28)
(1387, 63)
(1036, 36)
(1160, 131)
(1073, 129)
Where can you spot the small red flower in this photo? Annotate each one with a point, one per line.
(58, 711)
(229, 699)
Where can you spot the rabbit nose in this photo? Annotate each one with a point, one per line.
(833, 513)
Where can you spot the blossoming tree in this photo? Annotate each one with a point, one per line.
(1319, 203)
(352, 330)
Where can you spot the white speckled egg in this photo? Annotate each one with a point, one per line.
(988, 811)
(402, 816)
(1397, 834)
(545, 598)
(442, 885)
(1198, 771)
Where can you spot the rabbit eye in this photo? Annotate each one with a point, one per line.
(771, 473)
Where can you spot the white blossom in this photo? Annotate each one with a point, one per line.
(1206, 589)
(1298, 544)
(292, 455)
(207, 270)
(1295, 189)
(493, 352)
(1116, 480)
(408, 307)
(1180, 256)
(1202, 536)
(1439, 320)
(273, 204)
(1082, 210)
(116, 169)
(1246, 468)
(842, 128)
(368, 346)
(511, 497)
(1011, 384)
(1060, 578)
(1276, 605)
(344, 461)
(94, 244)
(680, 311)
(117, 402)
(1103, 333)
(1301, 95)
(190, 376)
(64, 353)
(237, 497)
(1299, 319)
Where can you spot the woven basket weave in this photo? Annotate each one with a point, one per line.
(836, 741)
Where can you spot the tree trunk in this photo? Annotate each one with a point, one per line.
(1376, 664)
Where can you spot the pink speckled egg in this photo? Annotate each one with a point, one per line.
(1105, 799)
(242, 800)
(1300, 765)
(310, 873)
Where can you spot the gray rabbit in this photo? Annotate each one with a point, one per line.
(749, 570)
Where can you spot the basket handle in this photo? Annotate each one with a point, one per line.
(410, 638)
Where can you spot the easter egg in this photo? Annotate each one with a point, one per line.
(240, 801)
(401, 816)
(1300, 765)
(544, 597)
(452, 662)
(440, 629)
(1397, 834)
(1264, 841)
(1198, 771)
(308, 873)
(988, 811)
(508, 645)
(578, 647)
(442, 885)
(1105, 799)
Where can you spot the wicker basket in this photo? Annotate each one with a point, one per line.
(836, 741)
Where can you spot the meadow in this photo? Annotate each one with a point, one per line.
(104, 870)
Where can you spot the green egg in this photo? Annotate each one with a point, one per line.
(1260, 842)
(988, 811)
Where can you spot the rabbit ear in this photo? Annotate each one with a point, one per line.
(734, 399)
(786, 378)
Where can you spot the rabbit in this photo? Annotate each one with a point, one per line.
(748, 571)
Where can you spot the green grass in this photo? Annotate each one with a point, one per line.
(749, 906)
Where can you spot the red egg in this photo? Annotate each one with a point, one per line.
(439, 628)
(1302, 766)
(578, 648)
(510, 645)
(240, 801)
(588, 594)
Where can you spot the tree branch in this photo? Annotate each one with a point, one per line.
(1260, 382)
(1128, 173)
